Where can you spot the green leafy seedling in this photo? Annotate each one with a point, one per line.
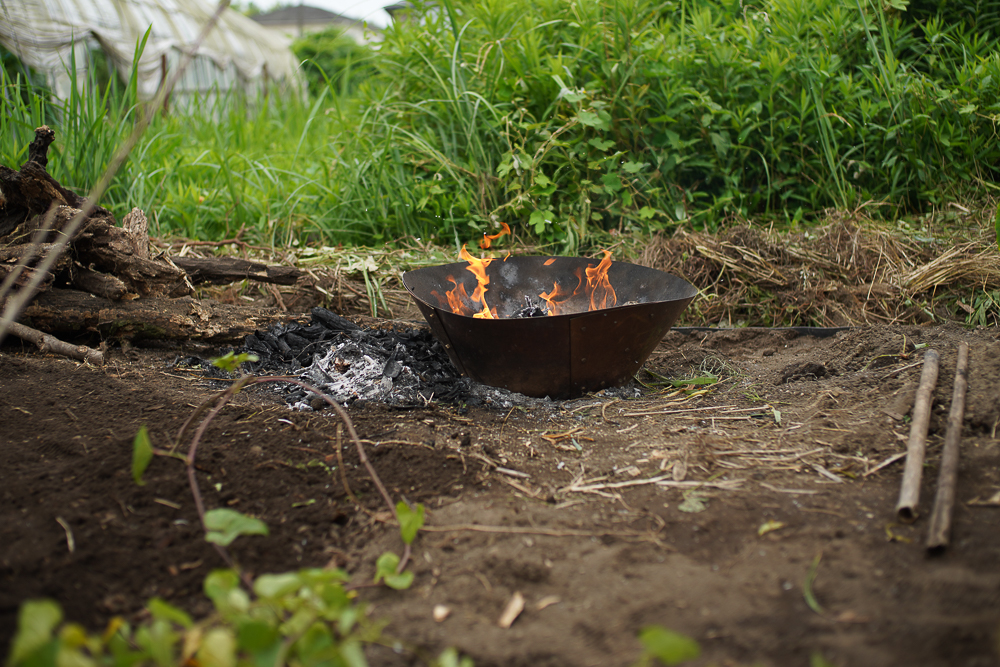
(410, 520)
(35, 624)
(807, 588)
(669, 647)
(163, 610)
(230, 362)
(385, 569)
(142, 454)
(224, 525)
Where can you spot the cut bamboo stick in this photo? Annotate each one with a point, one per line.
(909, 494)
(940, 528)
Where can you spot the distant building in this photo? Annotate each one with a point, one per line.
(297, 20)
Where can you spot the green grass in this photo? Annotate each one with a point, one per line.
(573, 123)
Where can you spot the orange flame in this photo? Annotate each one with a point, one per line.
(596, 287)
(488, 239)
(478, 268)
(602, 294)
(558, 296)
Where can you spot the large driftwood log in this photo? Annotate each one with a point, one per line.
(70, 312)
(222, 270)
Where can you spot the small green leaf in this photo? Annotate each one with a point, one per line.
(633, 167)
(777, 416)
(601, 144)
(669, 647)
(647, 213)
(256, 636)
(612, 182)
(223, 588)
(539, 219)
(165, 611)
(230, 362)
(353, 654)
(142, 454)
(277, 585)
(693, 503)
(450, 658)
(218, 648)
(410, 521)
(542, 180)
(385, 569)
(224, 525)
(35, 622)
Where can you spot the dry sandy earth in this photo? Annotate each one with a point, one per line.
(584, 530)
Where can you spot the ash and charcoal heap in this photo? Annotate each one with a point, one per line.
(398, 367)
(548, 326)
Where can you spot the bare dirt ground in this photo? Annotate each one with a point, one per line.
(625, 512)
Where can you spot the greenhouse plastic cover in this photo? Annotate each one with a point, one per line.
(238, 51)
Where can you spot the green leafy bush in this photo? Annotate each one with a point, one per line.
(568, 120)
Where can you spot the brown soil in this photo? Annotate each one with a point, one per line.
(603, 560)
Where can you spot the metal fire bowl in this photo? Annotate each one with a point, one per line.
(560, 356)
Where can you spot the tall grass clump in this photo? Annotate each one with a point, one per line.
(573, 119)
(211, 165)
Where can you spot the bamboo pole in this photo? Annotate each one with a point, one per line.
(909, 494)
(944, 501)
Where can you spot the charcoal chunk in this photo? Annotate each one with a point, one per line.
(333, 321)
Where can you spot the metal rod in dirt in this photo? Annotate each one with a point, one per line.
(944, 501)
(909, 494)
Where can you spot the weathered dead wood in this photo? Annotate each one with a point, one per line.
(940, 529)
(66, 311)
(47, 343)
(11, 256)
(99, 284)
(30, 192)
(223, 270)
(31, 196)
(106, 248)
(909, 493)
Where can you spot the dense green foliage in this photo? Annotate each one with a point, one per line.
(572, 120)
(332, 59)
(628, 114)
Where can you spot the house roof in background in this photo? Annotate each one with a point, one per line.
(297, 14)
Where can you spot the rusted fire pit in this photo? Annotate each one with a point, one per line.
(553, 326)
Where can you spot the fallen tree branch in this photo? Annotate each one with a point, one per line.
(223, 270)
(47, 343)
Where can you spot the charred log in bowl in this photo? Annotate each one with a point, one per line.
(563, 355)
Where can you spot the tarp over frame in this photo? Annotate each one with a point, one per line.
(237, 53)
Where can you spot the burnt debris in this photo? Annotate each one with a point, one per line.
(396, 366)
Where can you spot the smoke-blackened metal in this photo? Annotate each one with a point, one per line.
(561, 356)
